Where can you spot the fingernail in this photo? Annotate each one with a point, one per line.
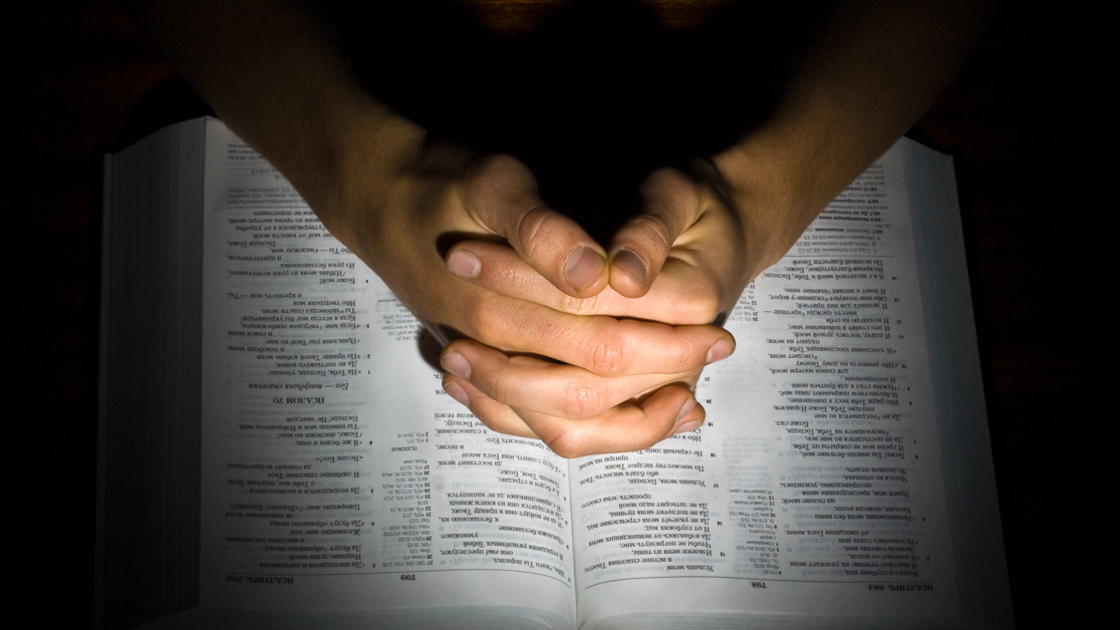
(684, 410)
(679, 426)
(631, 264)
(720, 351)
(685, 428)
(464, 264)
(456, 391)
(584, 267)
(455, 363)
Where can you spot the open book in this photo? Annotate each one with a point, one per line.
(278, 454)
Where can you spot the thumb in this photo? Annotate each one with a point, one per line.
(671, 204)
(502, 196)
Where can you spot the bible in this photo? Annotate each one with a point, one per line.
(276, 452)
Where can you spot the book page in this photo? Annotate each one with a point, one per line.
(336, 472)
(815, 485)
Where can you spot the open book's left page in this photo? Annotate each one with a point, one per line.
(335, 472)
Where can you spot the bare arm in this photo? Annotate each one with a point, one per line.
(272, 72)
(878, 67)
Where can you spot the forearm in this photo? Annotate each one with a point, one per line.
(877, 68)
(273, 74)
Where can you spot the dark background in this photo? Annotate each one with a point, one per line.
(1026, 122)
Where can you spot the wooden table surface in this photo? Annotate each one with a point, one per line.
(1025, 121)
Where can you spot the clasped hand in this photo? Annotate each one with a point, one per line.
(544, 337)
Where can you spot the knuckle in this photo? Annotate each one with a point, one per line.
(702, 309)
(697, 301)
(578, 306)
(681, 188)
(652, 231)
(503, 164)
(497, 388)
(685, 356)
(491, 321)
(528, 231)
(499, 170)
(609, 358)
(478, 319)
(658, 181)
(582, 400)
(548, 333)
(672, 185)
(538, 232)
(497, 185)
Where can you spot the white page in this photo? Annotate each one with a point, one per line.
(336, 472)
(815, 486)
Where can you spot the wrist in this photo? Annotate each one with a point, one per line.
(357, 172)
(774, 202)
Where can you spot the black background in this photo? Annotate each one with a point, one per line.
(1029, 125)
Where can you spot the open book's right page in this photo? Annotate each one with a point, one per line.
(815, 486)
